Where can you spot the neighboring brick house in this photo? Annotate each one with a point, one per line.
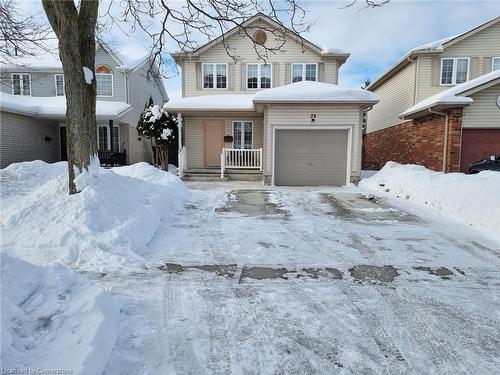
(33, 107)
(446, 84)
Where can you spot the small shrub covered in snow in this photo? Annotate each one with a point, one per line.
(53, 317)
(472, 199)
(107, 224)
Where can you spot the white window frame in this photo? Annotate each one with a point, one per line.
(55, 82)
(259, 76)
(108, 135)
(493, 62)
(112, 85)
(243, 134)
(454, 70)
(214, 72)
(303, 71)
(21, 84)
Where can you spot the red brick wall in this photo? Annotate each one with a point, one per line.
(416, 142)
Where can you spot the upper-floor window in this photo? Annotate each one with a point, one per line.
(304, 72)
(259, 76)
(214, 76)
(495, 64)
(21, 84)
(59, 80)
(104, 80)
(454, 70)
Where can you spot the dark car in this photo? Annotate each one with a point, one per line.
(491, 164)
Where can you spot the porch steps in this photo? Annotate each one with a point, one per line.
(213, 175)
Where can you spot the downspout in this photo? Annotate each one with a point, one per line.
(445, 145)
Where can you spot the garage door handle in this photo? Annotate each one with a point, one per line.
(310, 164)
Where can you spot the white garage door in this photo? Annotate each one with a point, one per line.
(310, 157)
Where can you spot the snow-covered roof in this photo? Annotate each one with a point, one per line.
(452, 96)
(315, 92)
(435, 46)
(55, 106)
(235, 102)
(300, 92)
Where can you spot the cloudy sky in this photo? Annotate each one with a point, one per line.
(375, 37)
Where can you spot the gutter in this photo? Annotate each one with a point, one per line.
(445, 145)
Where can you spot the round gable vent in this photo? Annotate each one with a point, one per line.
(259, 37)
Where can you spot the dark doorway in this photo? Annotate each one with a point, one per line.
(62, 138)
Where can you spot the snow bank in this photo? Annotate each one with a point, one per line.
(472, 199)
(106, 225)
(54, 318)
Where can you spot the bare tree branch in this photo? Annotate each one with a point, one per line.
(21, 36)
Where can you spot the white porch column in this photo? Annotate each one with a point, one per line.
(179, 130)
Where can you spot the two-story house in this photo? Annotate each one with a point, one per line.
(439, 104)
(33, 107)
(281, 114)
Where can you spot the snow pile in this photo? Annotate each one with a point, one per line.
(106, 225)
(472, 199)
(54, 318)
(89, 76)
(308, 91)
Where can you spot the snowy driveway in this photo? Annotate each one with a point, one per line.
(299, 281)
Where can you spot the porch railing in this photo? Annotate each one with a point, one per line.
(240, 159)
(182, 161)
(112, 158)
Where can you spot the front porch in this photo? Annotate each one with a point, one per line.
(221, 146)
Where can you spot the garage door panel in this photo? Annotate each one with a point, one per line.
(310, 157)
(478, 144)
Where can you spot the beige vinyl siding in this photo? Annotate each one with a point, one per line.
(139, 148)
(483, 112)
(396, 95)
(326, 115)
(22, 138)
(480, 48)
(193, 133)
(243, 47)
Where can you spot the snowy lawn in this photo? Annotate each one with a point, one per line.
(236, 278)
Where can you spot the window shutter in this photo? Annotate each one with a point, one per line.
(276, 74)
(230, 76)
(199, 78)
(288, 74)
(474, 67)
(487, 65)
(436, 66)
(243, 76)
(321, 72)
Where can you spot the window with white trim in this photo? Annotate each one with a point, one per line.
(21, 84)
(104, 84)
(454, 71)
(304, 72)
(59, 80)
(243, 134)
(214, 76)
(103, 138)
(495, 64)
(259, 76)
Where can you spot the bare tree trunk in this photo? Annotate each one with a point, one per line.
(75, 31)
(152, 151)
